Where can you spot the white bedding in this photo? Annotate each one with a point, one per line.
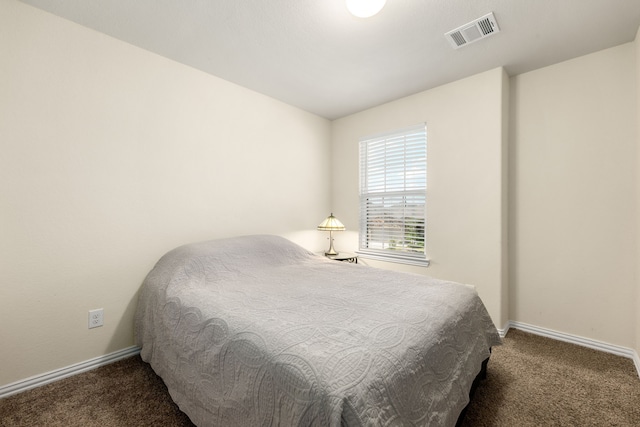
(256, 330)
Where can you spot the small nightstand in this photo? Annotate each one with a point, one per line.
(344, 256)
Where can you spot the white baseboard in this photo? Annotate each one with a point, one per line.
(503, 332)
(58, 374)
(49, 377)
(574, 339)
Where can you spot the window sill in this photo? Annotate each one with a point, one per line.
(399, 259)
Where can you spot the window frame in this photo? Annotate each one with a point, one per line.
(393, 170)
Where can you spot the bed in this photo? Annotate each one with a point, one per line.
(257, 331)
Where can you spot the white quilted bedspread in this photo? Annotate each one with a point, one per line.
(257, 331)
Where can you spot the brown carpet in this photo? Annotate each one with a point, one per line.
(536, 381)
(531, 381)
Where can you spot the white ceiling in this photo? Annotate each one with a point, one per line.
(313, 54)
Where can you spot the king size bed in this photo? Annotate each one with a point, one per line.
(257, 331)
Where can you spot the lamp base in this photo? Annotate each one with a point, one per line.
(331, 251)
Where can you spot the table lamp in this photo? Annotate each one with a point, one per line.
(331, 224)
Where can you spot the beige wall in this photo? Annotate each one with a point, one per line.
(573, 212)
(465, 180)
(637, 86)
(110, 156)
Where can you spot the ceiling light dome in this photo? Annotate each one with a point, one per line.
(365, 8)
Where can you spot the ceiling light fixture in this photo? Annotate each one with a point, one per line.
(365, 8)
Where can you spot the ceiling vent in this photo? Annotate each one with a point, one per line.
(474, 30)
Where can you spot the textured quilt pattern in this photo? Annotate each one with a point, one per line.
(257, 331)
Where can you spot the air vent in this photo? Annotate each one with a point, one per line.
(473, 31)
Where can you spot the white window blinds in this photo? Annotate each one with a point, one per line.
(393, 187)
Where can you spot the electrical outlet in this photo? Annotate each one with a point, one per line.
(96, 318)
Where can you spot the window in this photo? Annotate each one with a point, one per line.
(393, 191)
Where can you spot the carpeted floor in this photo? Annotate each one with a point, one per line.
(536, 381)
(531, 381)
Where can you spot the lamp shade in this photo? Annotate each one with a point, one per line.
(331, 223)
